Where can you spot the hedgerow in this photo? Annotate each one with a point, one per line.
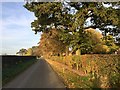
(103, 70)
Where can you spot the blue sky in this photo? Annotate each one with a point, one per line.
(16, 32)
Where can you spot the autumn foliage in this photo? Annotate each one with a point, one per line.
(102, 69)
(50, 43)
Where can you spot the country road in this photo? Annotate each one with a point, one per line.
(39, 75)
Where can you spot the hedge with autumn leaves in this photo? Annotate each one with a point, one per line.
(103, 69)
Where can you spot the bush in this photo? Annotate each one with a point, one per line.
(103, 69)
(101, 49)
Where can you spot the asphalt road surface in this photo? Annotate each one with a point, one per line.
(39, 75)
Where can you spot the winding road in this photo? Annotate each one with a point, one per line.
(39, 75)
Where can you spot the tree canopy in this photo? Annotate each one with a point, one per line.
(29, 52)
(22, 52)
(50, 44)
(48, 14)
(57, 13)
(72, 18)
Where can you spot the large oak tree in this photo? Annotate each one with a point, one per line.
(72, 19)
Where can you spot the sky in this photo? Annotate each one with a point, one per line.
(15, 28)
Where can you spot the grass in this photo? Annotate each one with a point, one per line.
(9, 73)
(72, 80)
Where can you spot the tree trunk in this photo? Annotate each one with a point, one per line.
(78, 52)
(67, 50)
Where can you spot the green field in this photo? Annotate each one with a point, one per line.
(9, 73)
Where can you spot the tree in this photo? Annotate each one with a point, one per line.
(109, 41)
(93, 39)
(58, 14)
(48, 14)
(97, 43)
(50, 43)
(29, 52)
(100, 17)
(101, 49)
(22, 52)
(35, 51)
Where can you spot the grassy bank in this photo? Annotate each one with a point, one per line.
(102, 70)
(70, 79)
(10, 72)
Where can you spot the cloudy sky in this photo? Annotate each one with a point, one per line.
(15, 28)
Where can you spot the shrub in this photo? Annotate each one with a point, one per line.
(102, 68)
(101, 49)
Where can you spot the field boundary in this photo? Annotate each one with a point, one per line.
(66, 67)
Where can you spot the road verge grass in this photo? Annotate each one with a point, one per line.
(70, 79)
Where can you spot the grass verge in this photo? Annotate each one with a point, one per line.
(10, 73)
(70, 79)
